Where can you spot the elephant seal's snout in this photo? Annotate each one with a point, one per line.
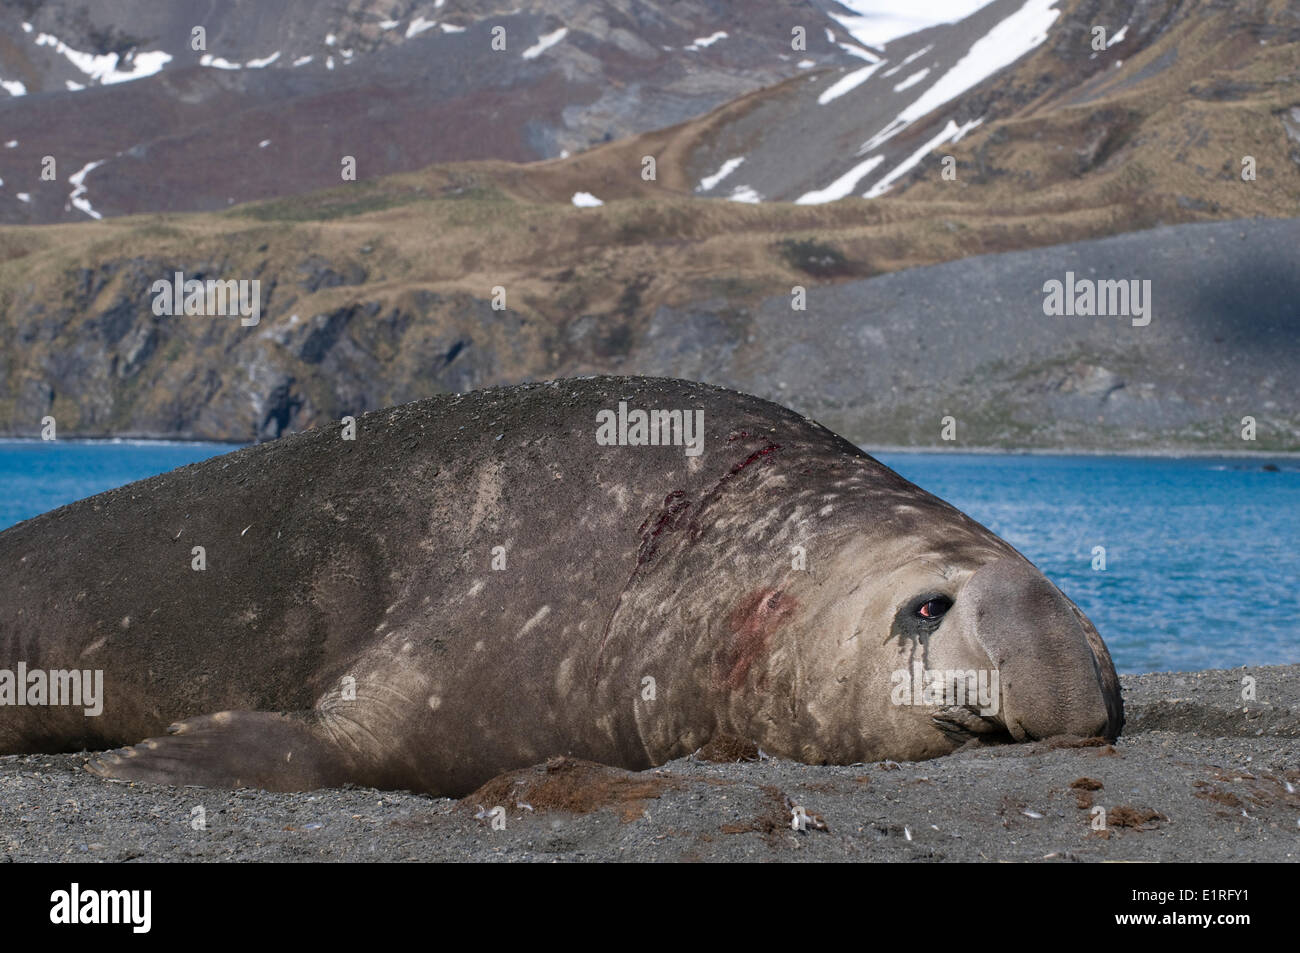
(1055, 674)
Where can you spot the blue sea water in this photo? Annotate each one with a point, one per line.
(1202, 555)
(38, 475)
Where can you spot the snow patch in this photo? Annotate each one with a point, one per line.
(848, 82)
(451, 28)
(1011, 39)
(1001, 46)
(910, 59)
(11, 144)
(860, 52)
(876, 22)
(217, 62)
(841, 186)
(78, 182)
(105, 68)
(966, 127)
(265, 61)
(302, 61)
(896, 125)
(143, 64)
(744, 193)
(951, 133)
(264, 143)
(700, 42)
(24, 197)
(586, 200)
(728, 167)
(545, 42)
(419, 25)
(806, 64)
(912, 80)
(1118, 37)
(13, 87)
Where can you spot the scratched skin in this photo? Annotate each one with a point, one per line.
(374, 558)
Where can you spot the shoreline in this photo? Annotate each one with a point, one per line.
(1158, 454)
(127, 441)
(873, 449)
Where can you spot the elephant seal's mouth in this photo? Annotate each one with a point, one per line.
(964, 723)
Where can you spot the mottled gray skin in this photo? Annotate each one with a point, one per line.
(373, 559)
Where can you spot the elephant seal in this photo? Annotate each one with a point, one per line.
(477, 582)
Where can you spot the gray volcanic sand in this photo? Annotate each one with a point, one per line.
(1198, 775)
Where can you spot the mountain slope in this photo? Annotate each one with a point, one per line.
(380, 291)
(401, 85)
(281, 92)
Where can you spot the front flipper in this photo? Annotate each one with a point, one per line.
(233, 749)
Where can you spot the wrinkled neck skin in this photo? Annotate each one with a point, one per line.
(797, 619)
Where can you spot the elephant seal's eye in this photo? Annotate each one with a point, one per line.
(935, 608)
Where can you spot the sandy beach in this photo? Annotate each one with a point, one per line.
(1199, 775)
